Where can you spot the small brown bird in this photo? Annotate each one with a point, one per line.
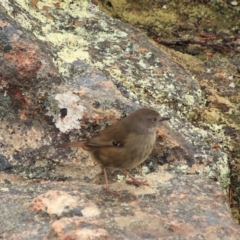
(125, 144)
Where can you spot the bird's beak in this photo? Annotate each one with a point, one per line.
(164, 119)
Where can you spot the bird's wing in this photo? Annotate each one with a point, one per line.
(109, 137)
(106, 143)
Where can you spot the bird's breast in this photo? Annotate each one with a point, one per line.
(142, 149)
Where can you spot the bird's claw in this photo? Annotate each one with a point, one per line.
(112, 192)
(136, 182)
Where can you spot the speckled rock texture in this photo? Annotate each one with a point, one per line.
(66, 72)
(172, 207)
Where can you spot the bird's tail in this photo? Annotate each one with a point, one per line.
(72, 144)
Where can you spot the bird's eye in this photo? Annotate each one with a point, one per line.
(154, 119)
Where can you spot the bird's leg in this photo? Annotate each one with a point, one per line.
(134, 181)
(106, 188)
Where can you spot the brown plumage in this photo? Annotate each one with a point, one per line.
(125, 144)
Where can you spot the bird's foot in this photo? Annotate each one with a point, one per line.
(136, 182)
(112, 192)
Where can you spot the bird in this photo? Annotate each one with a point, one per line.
(123, 145)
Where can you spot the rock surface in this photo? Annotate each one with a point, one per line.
(78, 72)
(172, 207)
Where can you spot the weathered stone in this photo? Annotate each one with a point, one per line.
(172, 207)
(101, 69)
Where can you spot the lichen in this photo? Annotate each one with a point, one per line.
(75, 111)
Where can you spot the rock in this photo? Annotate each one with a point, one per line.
(172, 207)
(94, 94)
(4, 164)
(78, 73)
